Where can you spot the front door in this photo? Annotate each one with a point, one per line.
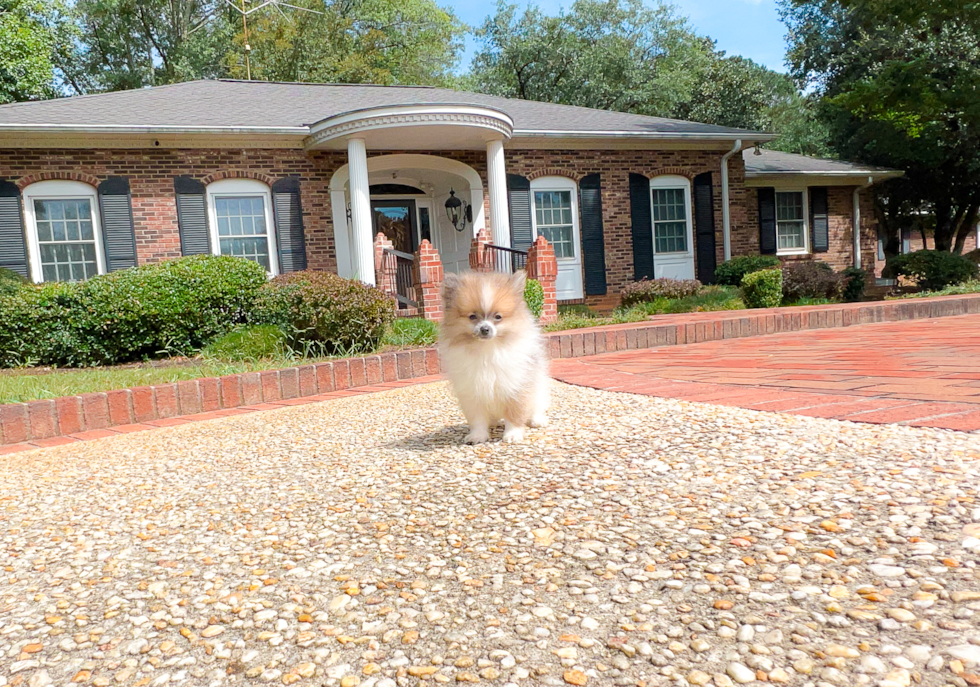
(673, 240)
(396, 220)
(555, 217)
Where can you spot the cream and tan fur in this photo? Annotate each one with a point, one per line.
(494, 354)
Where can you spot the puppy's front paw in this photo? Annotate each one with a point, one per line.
(477, 438)
(539, 421)
(514, 435)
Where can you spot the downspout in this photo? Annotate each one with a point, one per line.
(726, 215)
(856, 216)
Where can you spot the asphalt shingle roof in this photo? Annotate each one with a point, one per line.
(260, 104)
(776, 162)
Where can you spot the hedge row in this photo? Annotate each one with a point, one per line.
(177, 307)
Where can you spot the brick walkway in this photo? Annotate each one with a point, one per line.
(922, 373)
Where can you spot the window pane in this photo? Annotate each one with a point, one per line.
(66, 238)
(789, 206)
(670, 237)
(59, 231)
(256, 249)
(669, 220)
(553, 217)
(790, 235)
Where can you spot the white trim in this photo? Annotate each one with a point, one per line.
(671, 181)
(654, 135)
(806, 221)
(573, 265)
(243, 187)
(60, 190)
(726, 210)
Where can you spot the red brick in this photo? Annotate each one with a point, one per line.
(431, 361)
(69, 409)
(389, 367)
(95, 411)
(418, 363)
(210, 388)
(14, 423)
(372, 370)
(43, 416)
(143, 408)
(307, 380)
(341, 375)
(251, 384)
(231, 391)
(324, 378)
(189, 397)
(165, 400)
(289, 379)
(403, 359)
(358, 375)
(120, 406)
(271, 390)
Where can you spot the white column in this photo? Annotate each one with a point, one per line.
(362, 243)
(497, 182)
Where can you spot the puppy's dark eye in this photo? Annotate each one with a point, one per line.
(473, 318)
(498, 317)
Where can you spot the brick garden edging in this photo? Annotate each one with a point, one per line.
(85, 415)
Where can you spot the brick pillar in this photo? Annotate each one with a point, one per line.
(427, 273)
(543, 267)
(385, 266)
(480, 258)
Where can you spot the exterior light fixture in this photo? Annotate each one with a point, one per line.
(458, 211)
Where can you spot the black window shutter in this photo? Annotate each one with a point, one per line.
(819, 220)
(288, 212)
(593, 238)
(519, 197)
(118, 231)
(13, 243)
(192, 216)
(767, 221)
(642, 220)
(704, 226)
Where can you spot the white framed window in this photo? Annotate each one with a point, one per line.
(671, 215)
(792, 222)
(242, 224)
(555, 214)
(64, 236)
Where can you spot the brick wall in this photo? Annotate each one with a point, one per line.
(151, 174)
(840, 210)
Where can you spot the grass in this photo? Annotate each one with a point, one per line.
(957, 290)
(808, 301)
(411, 332)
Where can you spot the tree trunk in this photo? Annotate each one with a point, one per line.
(967, 226)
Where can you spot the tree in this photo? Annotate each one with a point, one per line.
(352, 41)
(899, 85)
(135, 43)
(32, 35)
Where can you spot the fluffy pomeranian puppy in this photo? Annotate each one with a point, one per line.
(494, 354)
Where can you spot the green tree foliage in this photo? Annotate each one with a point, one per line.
(352, 41)
(899, 85)
(33, 35)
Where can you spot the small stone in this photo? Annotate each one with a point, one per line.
(212, 631)
(841, 651)
(422, 671)
(880, 570)
(778, 675)
(40, 679)
(742, 674)
(968, 653)
(960, 597)
(305, 669)
(350, 681)
(696, 677)
(804, 666)
(371, 669)
(724, 604)
(872, 664)
(575, 677)
(900, 614)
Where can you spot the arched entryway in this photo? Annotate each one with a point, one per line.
(408, 195)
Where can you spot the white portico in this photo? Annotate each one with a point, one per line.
(411, 189)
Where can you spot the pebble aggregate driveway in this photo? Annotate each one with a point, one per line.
(638, 541)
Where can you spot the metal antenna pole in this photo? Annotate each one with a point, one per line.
(248, 48)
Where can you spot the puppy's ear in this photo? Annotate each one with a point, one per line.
(518, 280)
(450, 287)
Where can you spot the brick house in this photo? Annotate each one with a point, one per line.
(304, 175)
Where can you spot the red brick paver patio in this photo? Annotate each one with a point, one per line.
(922, 372)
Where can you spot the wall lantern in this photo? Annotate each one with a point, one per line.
(458, 211)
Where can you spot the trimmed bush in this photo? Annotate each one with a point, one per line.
(10, 281)
(257, 342)
(325, 314)
(731, 273)
(811, 279)
(534, 297)
(931, 270)
(763, 289)
(855, 281)
(42, 326)
(647, 290)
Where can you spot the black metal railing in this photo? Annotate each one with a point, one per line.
(398, 269)
(506, 259)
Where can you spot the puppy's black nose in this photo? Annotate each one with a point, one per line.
(484, 329)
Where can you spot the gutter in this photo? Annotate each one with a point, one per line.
(856, 217)
(726, 213)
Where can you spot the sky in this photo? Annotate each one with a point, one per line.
(750, 28)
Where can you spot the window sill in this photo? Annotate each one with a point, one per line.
(791, 253)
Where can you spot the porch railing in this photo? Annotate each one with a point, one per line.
(503, 259)
(398, 268)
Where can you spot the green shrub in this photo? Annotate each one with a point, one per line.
(42, 326)
(172, 307)
(855, 281)
(647, 290)
(763, 289)
(534, 297)
(931, 270)
(253, 343)
(730, 273)
(10, 281)
(325, 314)
(412, 332)
(811, 279)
